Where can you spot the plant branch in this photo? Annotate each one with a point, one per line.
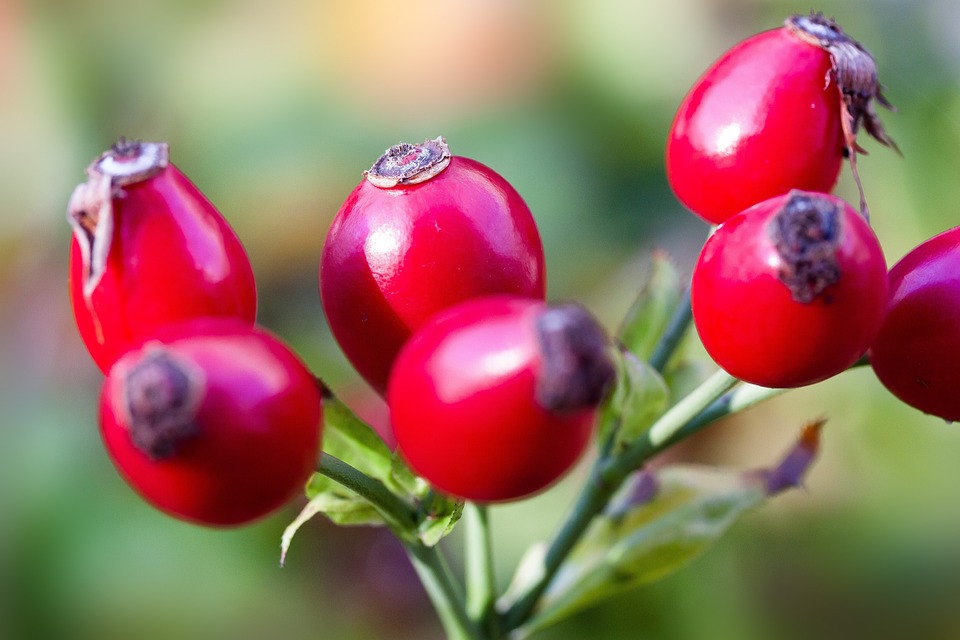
(444, 593)
(400, 515)
(606, 477)
(481, 582)
(673, 334)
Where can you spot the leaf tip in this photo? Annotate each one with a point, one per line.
(793, 467)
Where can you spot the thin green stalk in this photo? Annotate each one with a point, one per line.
(591, 501)
(739, 399)
(673, 334)
(664, 431)
(400, 515)
(443, 592)
(480, 578)
(605, 478)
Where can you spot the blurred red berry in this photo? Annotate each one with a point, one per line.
(149, 250)
(915, 352)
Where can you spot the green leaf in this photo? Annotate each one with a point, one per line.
(335, 501)
(650, 313)
(661, 521)
(634, 544)
(354, 442)
(403, 480)
(439, 516)
(639, 398)
(350, 439)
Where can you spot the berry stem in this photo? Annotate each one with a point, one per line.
(402, 517)
(673, 334)
(480, 579)
(443, 591)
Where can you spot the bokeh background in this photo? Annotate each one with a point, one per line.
(274, 108)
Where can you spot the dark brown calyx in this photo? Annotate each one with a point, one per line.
(409, 163)
(855, 71)
(90, 210)
(806, 233)
(577, 368)
(161, 397)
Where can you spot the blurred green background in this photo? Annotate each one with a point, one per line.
(274, 109)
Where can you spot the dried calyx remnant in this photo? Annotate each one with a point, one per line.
(577, 368)
(161, 396)
(90, 211)
(805, 233)
(855, 71)
(406, 164)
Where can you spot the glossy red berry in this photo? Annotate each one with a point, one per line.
(212, 421)
(495, 398)
(423, 231)
(916, 351)
(149, 250)
(774, 113)
(791, 291)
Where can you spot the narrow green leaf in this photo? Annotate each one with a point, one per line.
(403, 480)
(352, 440)
(339, 504)
(650, 313)
(438, 521)
(661, 521)
(639, 398)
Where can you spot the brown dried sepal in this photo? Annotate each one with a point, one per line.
(577, 369)
(161, 395)
(805, 234)
(855, 71)
(90, 210)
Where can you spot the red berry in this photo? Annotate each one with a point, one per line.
(495, 398)
(212, 421)
(791, 291)
(149, 250)
(422, 232)
(774, 113)
(916, 351)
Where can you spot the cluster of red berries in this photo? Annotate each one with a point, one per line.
(432, 279)
(433, 282)
(792, 286)
(207, 416)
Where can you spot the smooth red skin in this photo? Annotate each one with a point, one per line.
(764, 119)
(463, 409)
(395, 257)
(173, 258)
(916, 352)
(260, 427)
(749, 322)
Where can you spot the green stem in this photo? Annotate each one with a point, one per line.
(398, 513)
(481, 582)
(741, 398)
(673, 334)
(443, 591)
(665, 430)
(606, 477)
